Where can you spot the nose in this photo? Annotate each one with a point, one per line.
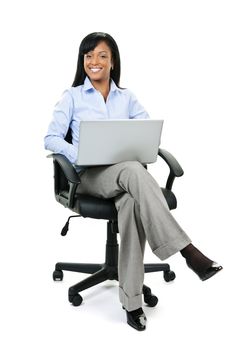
(94, 60)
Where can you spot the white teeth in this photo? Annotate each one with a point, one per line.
(95, 70)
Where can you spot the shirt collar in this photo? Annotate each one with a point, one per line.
(88, 85)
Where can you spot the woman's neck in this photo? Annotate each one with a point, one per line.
(103, 87)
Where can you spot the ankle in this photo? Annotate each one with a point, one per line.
(136, 312)
(188, 250)
(195, 259)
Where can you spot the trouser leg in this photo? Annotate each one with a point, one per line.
(163, 233)
(161, 230)
(131, 252)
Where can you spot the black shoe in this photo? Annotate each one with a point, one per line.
(136, 319)
(211, 271)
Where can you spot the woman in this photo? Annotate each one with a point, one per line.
(143, 213)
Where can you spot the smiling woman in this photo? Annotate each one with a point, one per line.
(139, 201)
(98, 51)
(98, 64)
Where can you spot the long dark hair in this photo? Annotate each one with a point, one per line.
(88, 44)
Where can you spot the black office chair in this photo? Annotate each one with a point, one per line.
(66, 180)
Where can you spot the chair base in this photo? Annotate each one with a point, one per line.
(107, 271)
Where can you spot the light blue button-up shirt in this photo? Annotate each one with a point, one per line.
(84, 102)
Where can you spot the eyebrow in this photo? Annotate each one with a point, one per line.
(98, 52)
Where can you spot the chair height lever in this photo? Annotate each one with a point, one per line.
(66, 226)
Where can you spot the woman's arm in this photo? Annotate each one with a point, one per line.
(136, 110)
(57, 130)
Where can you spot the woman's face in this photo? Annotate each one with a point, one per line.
(98, 62)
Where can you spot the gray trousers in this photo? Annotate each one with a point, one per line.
(143, 214)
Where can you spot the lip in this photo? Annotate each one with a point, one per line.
(95, 69)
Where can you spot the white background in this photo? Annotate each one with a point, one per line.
(187, 62)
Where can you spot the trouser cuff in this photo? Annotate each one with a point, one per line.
(130, 303)
(165, 251)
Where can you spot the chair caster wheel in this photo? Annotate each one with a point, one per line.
(169, 276)
(76, 299)
(151, 300)
(58, 275)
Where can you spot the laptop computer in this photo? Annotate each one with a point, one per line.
(106, 142)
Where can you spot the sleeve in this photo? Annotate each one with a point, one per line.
(57, 130)
(136, 110)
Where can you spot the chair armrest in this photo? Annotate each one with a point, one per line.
(175, 168)
(67, 168)
(64, 193)
(171, 161)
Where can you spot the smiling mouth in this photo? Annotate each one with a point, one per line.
(95, 70)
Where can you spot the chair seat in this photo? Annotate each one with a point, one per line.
(100, 208)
